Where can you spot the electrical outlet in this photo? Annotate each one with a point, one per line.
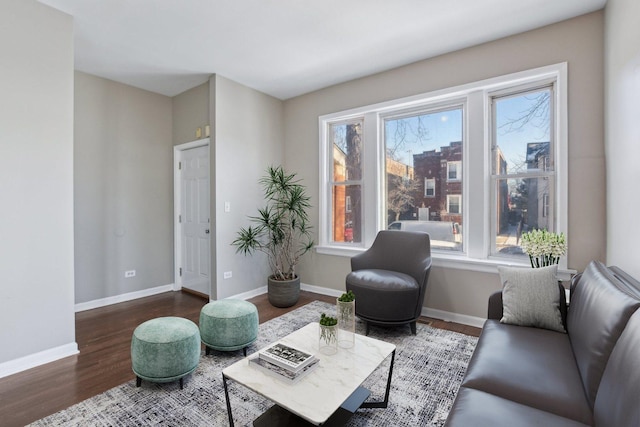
(228, 274)
(227, 206)
(130, 273)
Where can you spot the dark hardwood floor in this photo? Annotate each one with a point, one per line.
(104, 338)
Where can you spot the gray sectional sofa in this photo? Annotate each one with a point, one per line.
(589, 376)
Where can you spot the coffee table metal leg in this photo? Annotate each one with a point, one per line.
(385, 402)
(226, 396)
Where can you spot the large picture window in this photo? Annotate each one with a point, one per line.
(424, 148)
(475, 166)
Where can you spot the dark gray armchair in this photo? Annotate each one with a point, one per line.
(390, 278)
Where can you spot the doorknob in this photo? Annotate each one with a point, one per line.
(206, 231)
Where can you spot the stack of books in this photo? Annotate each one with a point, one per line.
(284, 362)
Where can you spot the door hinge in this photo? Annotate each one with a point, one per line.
(179, 165)
(179, 219)
(180, 271)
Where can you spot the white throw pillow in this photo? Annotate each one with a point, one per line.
(530, 297)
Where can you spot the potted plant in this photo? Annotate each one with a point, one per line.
(543, 247)
(282, 232)
(346, 305)
(328, 336)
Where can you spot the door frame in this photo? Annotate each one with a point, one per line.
(177, 195)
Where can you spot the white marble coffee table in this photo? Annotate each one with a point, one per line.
(325, 396)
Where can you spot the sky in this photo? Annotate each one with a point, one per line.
(429, 131)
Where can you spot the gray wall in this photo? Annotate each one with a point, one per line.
(123, 188)
(190, 111)
(577, 41)
(248, 138)
(622, 47)
(36, 176)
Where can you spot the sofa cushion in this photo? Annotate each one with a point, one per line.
(530, 297)
(598, 313)
(617, 401)
(480, 409)
(531, 366)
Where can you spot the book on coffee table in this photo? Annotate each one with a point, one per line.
(286, 357)
(280, 372)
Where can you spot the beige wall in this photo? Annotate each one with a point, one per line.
(579, 42)
(123, 188)
(190, 111)
(622, 47)
(36, 185)
(248, 137)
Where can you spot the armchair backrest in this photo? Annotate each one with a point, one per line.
(407, 252)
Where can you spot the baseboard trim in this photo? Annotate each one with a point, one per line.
(303, 286)
(449, 316)
(195, 293)
(426, 311)
(89, 305)
(320, 290)
(249, 294)
(31, 361)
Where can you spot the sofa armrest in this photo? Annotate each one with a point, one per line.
(494, 310)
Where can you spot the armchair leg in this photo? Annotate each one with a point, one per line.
(366, 324)
(412, 325)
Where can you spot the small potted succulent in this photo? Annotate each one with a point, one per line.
(328, 338)
(346, 305)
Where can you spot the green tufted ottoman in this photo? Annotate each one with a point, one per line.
(165, 349)
(228, 325)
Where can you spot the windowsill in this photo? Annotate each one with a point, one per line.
(447, 260)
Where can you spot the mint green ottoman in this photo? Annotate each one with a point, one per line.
(228, 324)
(165, 349)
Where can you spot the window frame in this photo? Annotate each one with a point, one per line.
(456, 196)
(347, 182)
(426, 187)
(535, 173)
(458, 171)
(476, 175)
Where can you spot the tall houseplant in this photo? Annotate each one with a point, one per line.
(281, 231)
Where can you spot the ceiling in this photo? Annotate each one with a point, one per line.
(286, 47)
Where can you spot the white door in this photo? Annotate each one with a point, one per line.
(194, 219)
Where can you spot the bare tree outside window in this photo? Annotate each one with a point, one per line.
(535, 115)
(401, 196)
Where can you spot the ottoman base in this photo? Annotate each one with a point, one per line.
(207, 349)
(163, 380)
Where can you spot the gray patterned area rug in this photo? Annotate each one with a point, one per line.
(427, 373)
